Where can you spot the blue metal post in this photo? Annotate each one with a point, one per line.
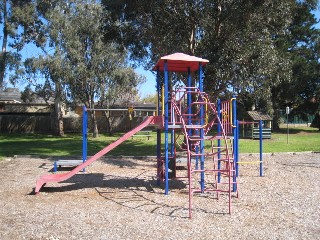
(84, 135)
(219, 141)
(260, 133)
(55, 167)
(235, 142)
(201, 129)
(166, 123)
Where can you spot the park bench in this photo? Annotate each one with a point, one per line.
(146, 134)
(266, 133)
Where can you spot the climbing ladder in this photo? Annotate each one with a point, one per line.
(209, 150)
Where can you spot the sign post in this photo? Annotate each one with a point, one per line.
(287, 112)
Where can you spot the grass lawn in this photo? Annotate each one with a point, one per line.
(71, 145)
(300, 139)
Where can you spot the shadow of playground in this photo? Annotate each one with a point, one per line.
(133, 193)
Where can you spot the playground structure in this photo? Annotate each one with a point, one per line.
(190, 119)
(202, 133)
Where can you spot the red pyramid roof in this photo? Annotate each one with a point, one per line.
(180, 62)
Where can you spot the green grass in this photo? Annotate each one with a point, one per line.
(300, 139)
(70, 145)
(38, 144)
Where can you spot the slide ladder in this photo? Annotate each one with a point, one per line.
(209, 157)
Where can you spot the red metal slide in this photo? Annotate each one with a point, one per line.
(62, 177)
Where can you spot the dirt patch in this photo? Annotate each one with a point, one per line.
(120, 199)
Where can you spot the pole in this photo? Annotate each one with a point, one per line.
(166, 127)
(219, 141)
(201, 130)
(172, 164)
(84, 134)
(287, 130)
(237, 150)
(287, 112)
(235, 141)
(260, 133)
(159, 113)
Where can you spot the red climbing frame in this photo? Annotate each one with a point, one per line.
(188, 121)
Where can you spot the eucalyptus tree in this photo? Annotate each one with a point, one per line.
(46, 74)
(302, 46)
(21, 25)
(150, 29)
(122, 90)
(81, 62)
(237, 36)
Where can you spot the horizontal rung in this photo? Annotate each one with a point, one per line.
(222, 137)
(195, 126)
(209, 190)
(254, 162)
(201, 102)
(195, 139)
(169, 157)
(175, 126)
(213, 170)
(203, 154)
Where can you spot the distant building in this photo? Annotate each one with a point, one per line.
(10, 95)
(11, 102)
(257, 116)
(249, 127)
(17, 116)
(37, 115)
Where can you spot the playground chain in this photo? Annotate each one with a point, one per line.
(118, 198)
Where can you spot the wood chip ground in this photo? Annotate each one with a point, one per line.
(118, 198)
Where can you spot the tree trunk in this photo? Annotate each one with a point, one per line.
(58, 128)
(316, 121)
(94, 120)
(3, 58)
(94, 124)
(276, 121)
(192, 41)
(109, 128)
(218, 22)
(276, 109)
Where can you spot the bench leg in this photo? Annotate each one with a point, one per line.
(55, 166)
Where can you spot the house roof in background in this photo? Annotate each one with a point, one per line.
(12, 95)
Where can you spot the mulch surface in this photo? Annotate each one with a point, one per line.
(118, 198)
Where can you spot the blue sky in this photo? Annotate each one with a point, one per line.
(149, 87)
